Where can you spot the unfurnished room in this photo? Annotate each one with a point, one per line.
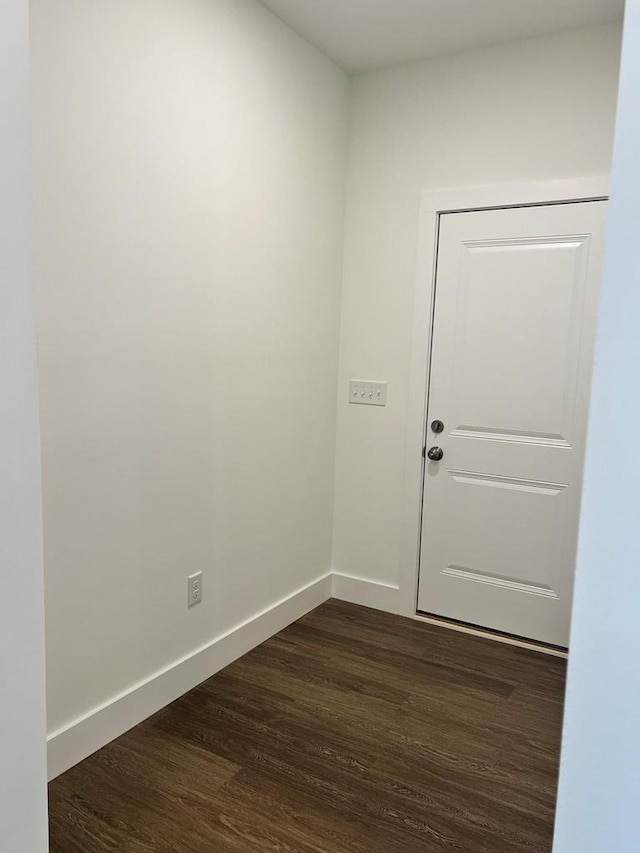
(319, 487)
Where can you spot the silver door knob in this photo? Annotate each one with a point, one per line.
(435, 454)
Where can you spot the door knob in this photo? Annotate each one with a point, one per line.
(435, 454)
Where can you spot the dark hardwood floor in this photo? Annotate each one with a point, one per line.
(352, 731)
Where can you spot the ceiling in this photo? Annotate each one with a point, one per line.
(361, 35)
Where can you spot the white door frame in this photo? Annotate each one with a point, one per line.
(433, 205)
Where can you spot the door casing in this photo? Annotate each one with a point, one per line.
(433, 205)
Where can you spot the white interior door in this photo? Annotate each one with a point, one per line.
(512, 348)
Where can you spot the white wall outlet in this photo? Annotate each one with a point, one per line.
(367, 393)
(194, 589)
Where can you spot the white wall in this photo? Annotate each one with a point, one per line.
(534, 110)
(190, 162)
(600, 778)
(23, 817)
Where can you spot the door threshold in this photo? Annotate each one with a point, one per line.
(489, 634)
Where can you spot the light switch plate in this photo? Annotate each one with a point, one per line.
(365, 393)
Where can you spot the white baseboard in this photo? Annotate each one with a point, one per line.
(368, 593)
(76, 741)
(84, 736)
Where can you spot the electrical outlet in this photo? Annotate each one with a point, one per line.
(194, 589)
(367, 393)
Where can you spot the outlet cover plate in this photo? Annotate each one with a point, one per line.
(194, 589)
(366, 393)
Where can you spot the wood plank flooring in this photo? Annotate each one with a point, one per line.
(352, 731)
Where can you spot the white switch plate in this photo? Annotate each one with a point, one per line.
(194, 589)
(367, 393)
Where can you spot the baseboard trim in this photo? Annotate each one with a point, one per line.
(76, 741)
(368, 593)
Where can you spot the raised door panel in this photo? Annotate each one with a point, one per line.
(517, 333)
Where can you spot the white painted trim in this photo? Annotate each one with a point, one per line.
(433, 204)
(368, 593)
(93, 730)
(90, 732)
